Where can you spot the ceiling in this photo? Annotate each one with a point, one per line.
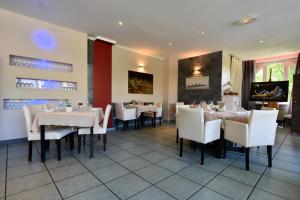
(149, 25)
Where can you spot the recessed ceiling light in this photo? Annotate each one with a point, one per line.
(261, 41)
(202, 33)
(170, 43)
(120, 23)
(246, 20)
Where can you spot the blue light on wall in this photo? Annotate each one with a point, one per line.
(44, 39)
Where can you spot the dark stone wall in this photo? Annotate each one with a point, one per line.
(212, 67)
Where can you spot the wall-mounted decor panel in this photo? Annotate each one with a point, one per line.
(140, 83)
(200, 78)
(17, 104)
(42, 84)
(40, 64)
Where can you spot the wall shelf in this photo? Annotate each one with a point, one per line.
(42, 84)
(17, 104)
(40, 64)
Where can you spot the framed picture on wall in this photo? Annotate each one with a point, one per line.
(197, 83)
(140, 83)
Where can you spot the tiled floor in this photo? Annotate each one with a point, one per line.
(145, 164)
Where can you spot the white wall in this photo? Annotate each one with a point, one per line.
(124, 60)
(16, 37)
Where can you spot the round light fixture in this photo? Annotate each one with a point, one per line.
(202, 33)
(170, 43)
(120, 23)
(261, 41)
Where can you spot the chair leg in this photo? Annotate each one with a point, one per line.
(84, 140)
(181, 147)
(247, 158)
(177, 136)
(71, 141)
(225, 148)
(194, 146)
(134, 124)
(67, 139)
(91, 142)
(29, 150)
(58, 146)
(160, 119)
(47, 145)
(99, 137)
(269, 150)
(104, 142)
(79, 143)
(123, 126)
(116, 123)
(202, 153)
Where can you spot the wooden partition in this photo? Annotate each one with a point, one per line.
(296, 105)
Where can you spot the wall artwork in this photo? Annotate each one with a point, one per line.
(140, 83)
(197, 83)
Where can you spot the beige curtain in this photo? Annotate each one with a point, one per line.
(236, 75)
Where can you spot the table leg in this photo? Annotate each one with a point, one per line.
(92, 142)
(43, 143)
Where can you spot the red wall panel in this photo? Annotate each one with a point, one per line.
(102, 75)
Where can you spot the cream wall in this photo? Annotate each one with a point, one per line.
(123, 60)
(16, 37)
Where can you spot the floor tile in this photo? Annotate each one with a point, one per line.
(127, 186)
(280, 188)
(2, 189)
(2, 175)
(283, 175)
(241, 175)
(197, 174)
(47, 192)
(173, 164)
(23, 161)
(207, 194)
(97, 162)
(23, 170)
(24, 183)
(213, 164)
(286, 166)
(65, 160)
(230, 188)
(259, 169)
(259, 195)
(119, 156)
(154, 173)
(110, 172)
(97, 193)
(77, 184)
(67, 171)
(184, 190)
(140, 150)
(154, 156)
(127, 145)
(152, 193)
(135, 163)
(20, 153)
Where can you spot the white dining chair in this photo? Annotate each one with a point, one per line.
(193, 127)
(260, 131)
(124, 114)
(178, 105)
(98, 130)
(158, 114)
(51, 133)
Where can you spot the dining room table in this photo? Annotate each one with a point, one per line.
(140, 109)
(81, 118)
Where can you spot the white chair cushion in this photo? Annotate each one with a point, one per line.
(51, 133)
(86, 131)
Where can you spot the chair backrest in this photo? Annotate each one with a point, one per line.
(98, 112)
(29, 114)
(159, 109)
(119, 110)
(262, 127)
(191, 124)
(106, 116)
(179, 103)
(181, 106)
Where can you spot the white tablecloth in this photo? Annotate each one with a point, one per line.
(142, 108)
(238, 116)
(60, 118)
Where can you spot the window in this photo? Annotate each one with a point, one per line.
(281, 70)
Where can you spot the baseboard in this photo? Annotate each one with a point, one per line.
(13, 141)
